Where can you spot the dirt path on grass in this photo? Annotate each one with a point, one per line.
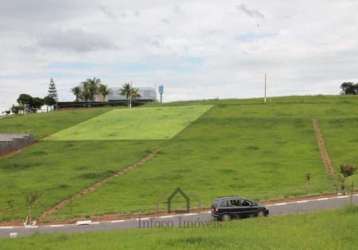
(326, 159)
(97, 185)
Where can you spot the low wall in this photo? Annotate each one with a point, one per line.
(13, 142)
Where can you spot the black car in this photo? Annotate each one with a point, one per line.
(227, 208)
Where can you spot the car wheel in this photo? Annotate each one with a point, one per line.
(261, 214)
(225, 217)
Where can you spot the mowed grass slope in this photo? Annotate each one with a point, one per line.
(136, 124)
(327, 230)
(228, 151)
(57, 169)
(44, 124)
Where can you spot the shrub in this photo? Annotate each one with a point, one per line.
(347, 170)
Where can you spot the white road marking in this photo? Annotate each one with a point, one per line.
(95, 223)
(9, 227)
(167, 216)
(56, 225)
(190, 214)
(303, 201)
(342, 197)
(30, 227)
(279, 204)
(83, 222)
(145, 218)
(117, 221)
(323, 199)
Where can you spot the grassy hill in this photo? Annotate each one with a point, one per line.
(237, 147)
(328, 230)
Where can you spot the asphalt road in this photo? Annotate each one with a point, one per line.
(182, 220)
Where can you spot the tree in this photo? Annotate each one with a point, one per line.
(25, 101)
(49, 101)
(31, 199)
(52, 91)
(16, 109)
(349, 88)
(103, 90)
(85, 95)
(346, 171)
(37, 103)
(90, 88)
(77, 91)
(129, 92)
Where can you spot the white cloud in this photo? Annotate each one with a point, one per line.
(198, 49)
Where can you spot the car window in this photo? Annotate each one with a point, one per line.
(223, 203)
(235, 203)
(246, 203)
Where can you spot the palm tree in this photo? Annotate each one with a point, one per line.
(31, 199)
(90, 88)
(103, 90)
(125, 91)
(129, 92)
(77, 92)
(134, 95)
(85, 89)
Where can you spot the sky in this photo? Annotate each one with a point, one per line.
(198, 49)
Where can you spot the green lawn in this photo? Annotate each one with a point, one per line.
(55, 170)
(227, 151)
(326, 231)
(157, 123)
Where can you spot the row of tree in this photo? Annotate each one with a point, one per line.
(27, 103)
(88, 90)
(349, 88)
(92, 87)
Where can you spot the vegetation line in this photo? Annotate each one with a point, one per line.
(96, 185)
(326, 159)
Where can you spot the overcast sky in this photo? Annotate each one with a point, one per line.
(197, 49)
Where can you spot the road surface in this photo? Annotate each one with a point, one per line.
(182, 220)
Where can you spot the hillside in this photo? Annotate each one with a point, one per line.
(213, 148)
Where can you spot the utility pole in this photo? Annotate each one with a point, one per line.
(265, 98)
(161, 92)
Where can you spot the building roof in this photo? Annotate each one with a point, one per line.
(146, 93)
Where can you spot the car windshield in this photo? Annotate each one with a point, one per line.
(215, 203)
